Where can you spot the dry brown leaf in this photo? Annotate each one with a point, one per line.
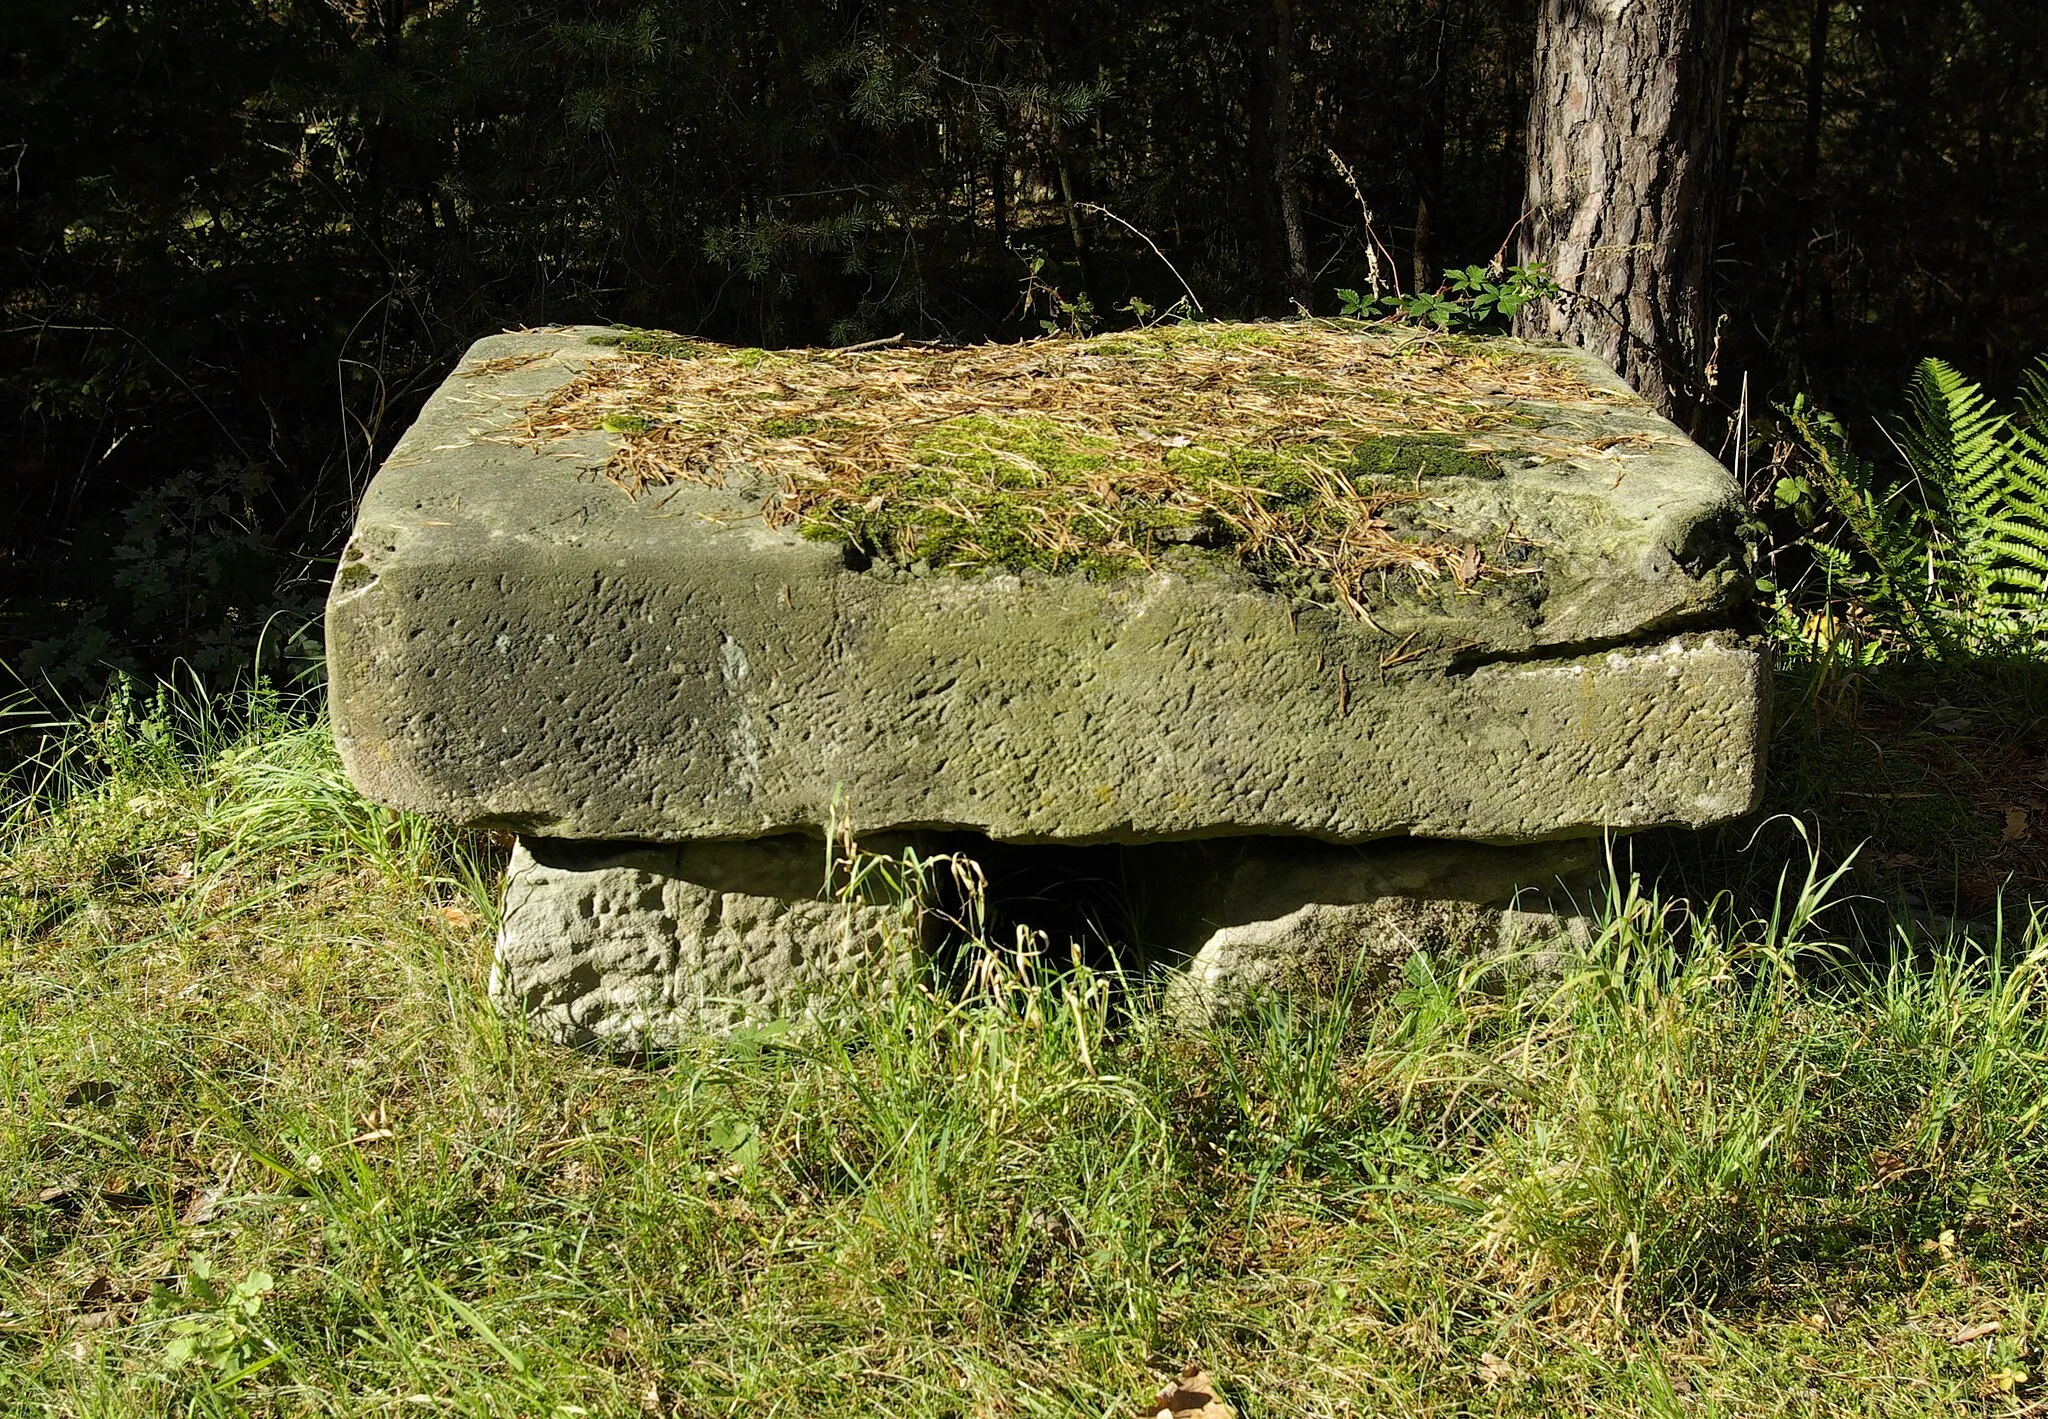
(1494, 1371)
(1190, 1396)
(2015, 824)
(1944, 1245)
(1975, 1332)
(205, 1206)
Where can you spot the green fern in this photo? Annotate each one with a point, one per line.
(1989, 552)
(2023, 534)
(1889, 528)
(1958, 547)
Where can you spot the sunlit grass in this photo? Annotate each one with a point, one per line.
(265, 1148)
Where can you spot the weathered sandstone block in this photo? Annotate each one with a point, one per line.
(633, 947)
(516, 642)
(1342, 640)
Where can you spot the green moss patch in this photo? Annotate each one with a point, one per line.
(1283, 445)
(667, 345)
(1022, 495)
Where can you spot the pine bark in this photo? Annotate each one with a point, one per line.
(1627, 164)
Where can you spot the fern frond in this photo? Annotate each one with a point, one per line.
(2033, 396)
(1956, 442)
(1992, 475)
(1891, 536)
(2028, 437)
(1956, 436)
(1833, 561)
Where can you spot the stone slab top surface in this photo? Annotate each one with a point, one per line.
(1193, 581)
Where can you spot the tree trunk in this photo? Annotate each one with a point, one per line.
(1428, 163)
(1627, 160)
(1272, 123)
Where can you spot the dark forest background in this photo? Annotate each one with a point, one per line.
(242, 239)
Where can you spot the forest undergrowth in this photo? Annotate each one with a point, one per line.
(266, 1148)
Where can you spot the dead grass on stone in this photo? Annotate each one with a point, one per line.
(503, 364)
(1285, 444)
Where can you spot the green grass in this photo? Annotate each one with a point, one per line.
(265, 1148)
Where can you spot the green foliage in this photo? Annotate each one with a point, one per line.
(242, 241)
(1948, 549)
(207, 1323)
(1989, 543)
(1474, 300)
(1058, 313)
(187, 564)
(1888, 158)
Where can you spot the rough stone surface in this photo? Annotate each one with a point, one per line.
(632, 946)
(516, 643)
(1188, 893)
(1366, 944)
(1261, 915)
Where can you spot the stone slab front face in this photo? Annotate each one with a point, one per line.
(516, 642)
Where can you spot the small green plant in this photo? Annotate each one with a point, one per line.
(1945, 548)
(211, 1323)
(129, 733)
(1062, 314)
(1471, 300)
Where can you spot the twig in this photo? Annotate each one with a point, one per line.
(1499, 264)
(1192, 298)
(896, 339)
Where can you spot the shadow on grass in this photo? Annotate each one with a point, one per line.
(1930, 779)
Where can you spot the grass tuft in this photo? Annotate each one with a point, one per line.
(265, 1148)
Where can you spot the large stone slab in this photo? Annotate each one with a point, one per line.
(515, 642)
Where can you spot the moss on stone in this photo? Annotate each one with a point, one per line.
(1290, 448)
(1019, 494)
(666, 344)
(1413, 457)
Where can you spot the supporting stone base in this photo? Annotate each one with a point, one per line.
(629, 947)
(1270, 915)
(633, 946)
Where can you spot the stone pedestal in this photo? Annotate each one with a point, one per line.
(632, 947)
